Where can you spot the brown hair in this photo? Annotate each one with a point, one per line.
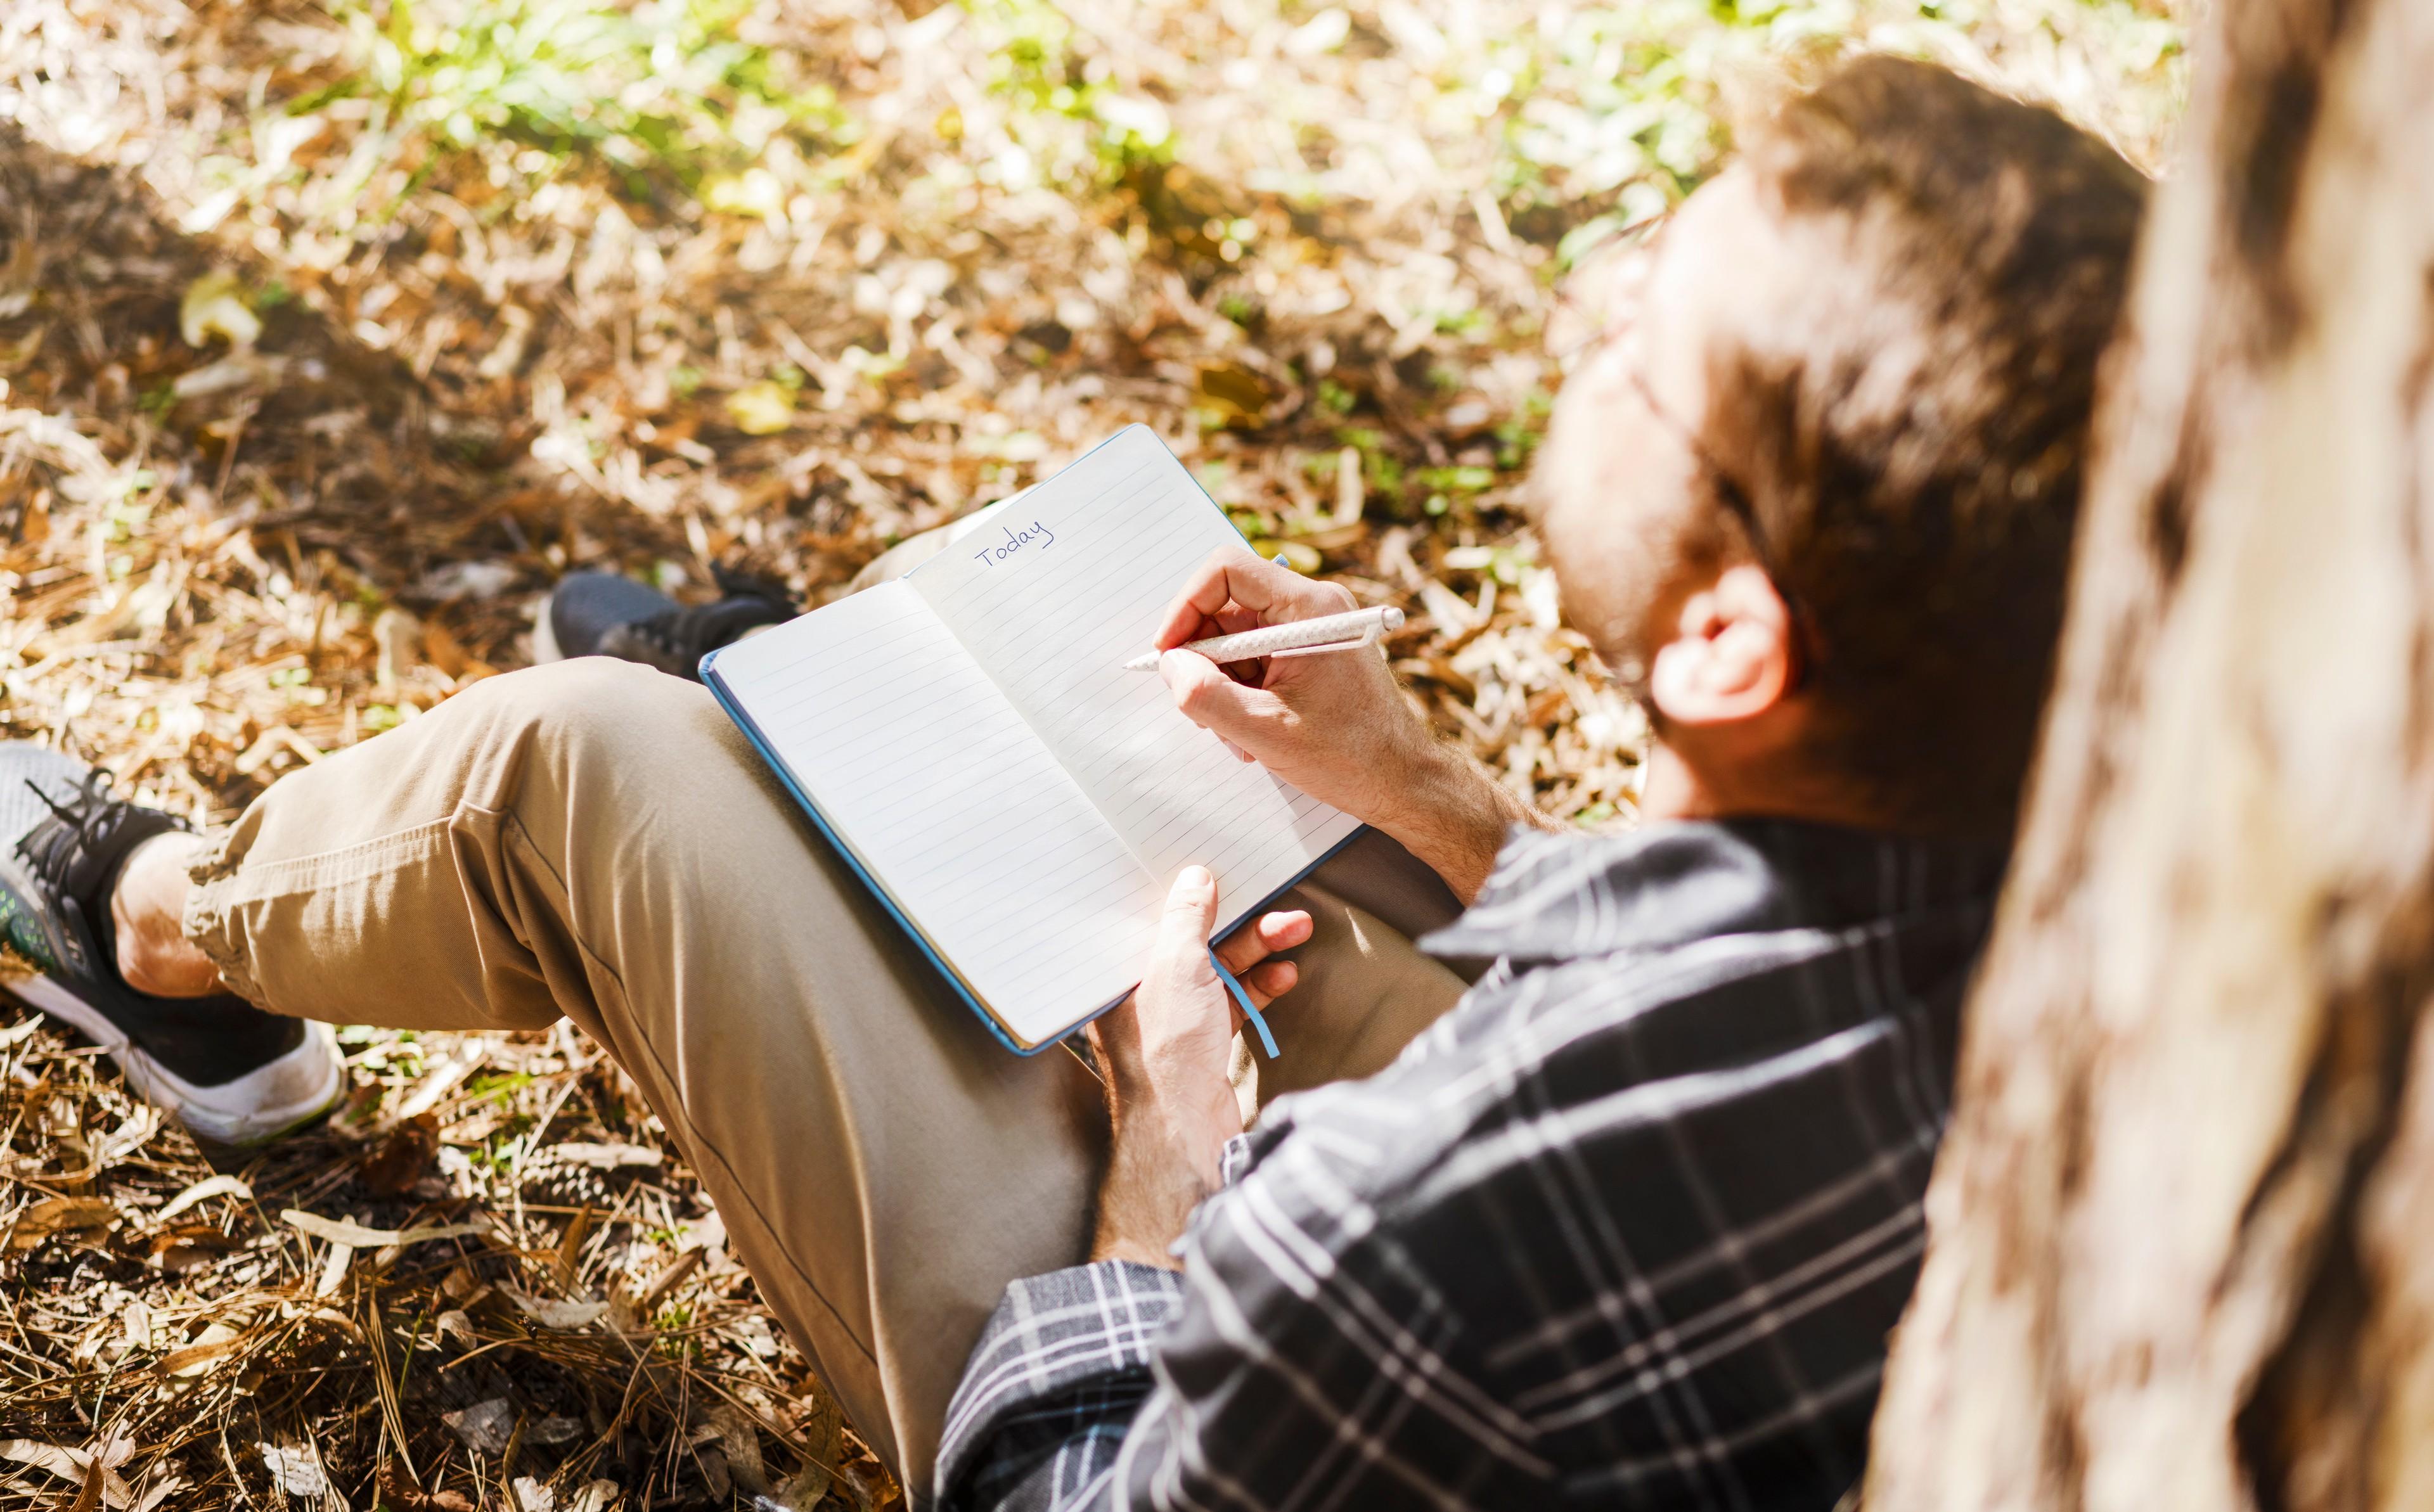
(1913, 456)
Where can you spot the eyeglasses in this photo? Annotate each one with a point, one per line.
(1618, 322)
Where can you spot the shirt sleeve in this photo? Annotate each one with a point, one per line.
(1060, 1370)
(1300, 1359)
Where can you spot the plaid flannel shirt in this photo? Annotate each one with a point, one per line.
(1627, 1228)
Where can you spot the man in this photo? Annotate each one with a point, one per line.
(1627, 1226)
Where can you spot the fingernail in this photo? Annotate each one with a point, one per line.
(1194, 876)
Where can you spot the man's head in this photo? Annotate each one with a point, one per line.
(1812, 490)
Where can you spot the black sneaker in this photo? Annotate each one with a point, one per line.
(231, 1072)
(601, 614)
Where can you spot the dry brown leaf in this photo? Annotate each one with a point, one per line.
(605, 1157)
(410, 1497)
(204, 1354)
(354, 1235)
(202, 1191)
(60, 1215)
(551, 1313)
(74, 1465)
(402, 1157)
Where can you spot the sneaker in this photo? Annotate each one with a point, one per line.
(228, 1071)
(601, 614)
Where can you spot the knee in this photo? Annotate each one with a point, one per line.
(591, 707)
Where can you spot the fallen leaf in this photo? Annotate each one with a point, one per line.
(408, 1497)
(69, 1465)
(763, 408)
(741, 1439)
(553, 1313)
(754, 192)
(60, 1215)
(1236, 393)
(199, 1357)
(485, 1427)
(596, 1496)
(398, 637)
(214, 307)
(237, 371)
(1300, 556)
(131, 1134)
(202, 1191)
(159, 1491)
(189, 1247)
(402, 1156)
(334, 1269)
(60, 1462)
(605, 1157)
(345, 1231)
(462, 580)
(295, 1469)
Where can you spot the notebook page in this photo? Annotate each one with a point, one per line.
(1055, 597)
(945, 796)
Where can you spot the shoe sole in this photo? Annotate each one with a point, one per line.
(266, 1102)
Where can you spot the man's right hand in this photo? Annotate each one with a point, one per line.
(1336, 726)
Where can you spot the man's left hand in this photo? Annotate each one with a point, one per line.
(1165, 1053)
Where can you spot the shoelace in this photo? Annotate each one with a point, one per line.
(677, 631)
(90, 801)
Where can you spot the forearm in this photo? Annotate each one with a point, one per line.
(1445, 810)
(1147, 1196)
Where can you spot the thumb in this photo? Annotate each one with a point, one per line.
(1190, 913)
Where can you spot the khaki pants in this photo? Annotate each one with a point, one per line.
(596, 839)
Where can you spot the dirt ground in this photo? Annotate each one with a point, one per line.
(330, 335)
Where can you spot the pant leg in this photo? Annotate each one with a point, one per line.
(595, 838)
(1364, 991)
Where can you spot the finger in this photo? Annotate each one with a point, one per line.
(1231, 574)
(1252, 943)
(1209, 697)
(1284, 928)
(1270, 981)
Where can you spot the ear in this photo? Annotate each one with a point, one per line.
(1730, 659)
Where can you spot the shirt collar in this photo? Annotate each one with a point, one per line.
(1558, 897)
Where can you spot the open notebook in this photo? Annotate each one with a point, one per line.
(967, 737)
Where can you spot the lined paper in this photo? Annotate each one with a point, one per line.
(1054, 597)
(949, 798)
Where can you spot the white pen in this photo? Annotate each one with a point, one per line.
(1296, 637)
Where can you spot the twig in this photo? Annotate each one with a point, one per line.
(227, 454)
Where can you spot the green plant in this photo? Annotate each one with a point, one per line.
(1040, 62)
(662, 87)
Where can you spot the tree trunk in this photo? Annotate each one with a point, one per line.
(2183, 1226)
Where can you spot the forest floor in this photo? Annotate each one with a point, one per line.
(331, 334)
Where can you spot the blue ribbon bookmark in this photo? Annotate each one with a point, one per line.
(1267, 1041)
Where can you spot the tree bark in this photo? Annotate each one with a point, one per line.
(2182, 1245)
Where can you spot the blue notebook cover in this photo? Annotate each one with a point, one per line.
(912, 933)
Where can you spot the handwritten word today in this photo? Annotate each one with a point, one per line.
(992, 554)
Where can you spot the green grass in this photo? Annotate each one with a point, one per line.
(667, 90)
